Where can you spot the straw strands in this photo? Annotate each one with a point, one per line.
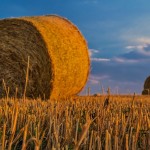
(78, 123)
(52, 47)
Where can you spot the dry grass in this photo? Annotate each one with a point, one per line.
(75, 123)
(59, 61)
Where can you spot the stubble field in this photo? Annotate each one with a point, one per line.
(85, 123)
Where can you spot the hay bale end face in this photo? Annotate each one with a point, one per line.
(59, 61)
(146, 90)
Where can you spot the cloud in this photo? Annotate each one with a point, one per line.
(126, 76)
(93, 52)
(142, 49)
(138, 47)
(100, 59)
(124, 60)
(128, 67)
(127, 70)
(94, 79)
(136, 54)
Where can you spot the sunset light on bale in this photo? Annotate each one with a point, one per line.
(56, 51)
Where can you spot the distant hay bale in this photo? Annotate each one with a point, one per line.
(146, 90)
(59, 61)
(97, 94)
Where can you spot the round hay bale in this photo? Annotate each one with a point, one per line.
(146, 90)
(97, 94)
(147, 83)
(59, 61)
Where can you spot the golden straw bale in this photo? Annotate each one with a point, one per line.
(59, 61)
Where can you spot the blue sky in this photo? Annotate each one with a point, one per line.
(117, 32)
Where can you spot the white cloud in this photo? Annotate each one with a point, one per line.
(100, 59)
(115, 59)
(141, 49)
(92, 52)
(93, 81)
(139, 43)
(138, 47)
(96, 79)
(141, 46)
(123, 60)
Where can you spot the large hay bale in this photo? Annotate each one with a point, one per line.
(146, 90)
(59, 60)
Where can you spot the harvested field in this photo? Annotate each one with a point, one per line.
(76, 123)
